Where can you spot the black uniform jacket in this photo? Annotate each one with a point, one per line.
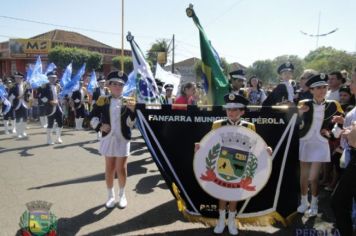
(101, 115)
(332, 108)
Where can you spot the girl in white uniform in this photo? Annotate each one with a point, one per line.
(115, 120)
(316, 115)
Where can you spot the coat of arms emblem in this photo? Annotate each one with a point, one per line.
(232, 163)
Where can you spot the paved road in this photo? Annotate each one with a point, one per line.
(71, 177)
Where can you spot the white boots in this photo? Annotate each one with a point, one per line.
(79, 123)
(13, 123)
(20, 129)
(231, 224)
(49, 137)
(122, 199)
(58, 136)
(304, 205)
(110, 203)
(6, 126)
(43, 121)
(313, 211)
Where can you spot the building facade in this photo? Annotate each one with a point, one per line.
(16, 54)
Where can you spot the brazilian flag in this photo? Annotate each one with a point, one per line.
(213, 76)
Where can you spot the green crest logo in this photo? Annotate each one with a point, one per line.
(38, 220)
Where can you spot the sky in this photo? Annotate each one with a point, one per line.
(240, 30)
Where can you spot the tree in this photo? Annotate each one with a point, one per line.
(328, 59)
(128, 66)
(264, 70)
(62, 56)
(161, 45)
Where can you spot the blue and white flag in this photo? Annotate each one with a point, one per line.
(93, 83)
(146, 87)
(73, 84)
(67, 75)
(130, 86)
(51, 67)
(37, 78)
(3, 99)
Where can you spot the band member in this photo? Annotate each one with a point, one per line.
(101, 90)
(284, 92)
(10, 115)
(345, 190)
(238, 79)
(20, 97)
(53, 108)
(235, 106)
(114, 119)
(78, 98)
(41, 106)
(315, 129)
(168, 98)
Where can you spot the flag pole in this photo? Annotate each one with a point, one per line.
(122, 35)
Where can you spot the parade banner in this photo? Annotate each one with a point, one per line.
(171, 135)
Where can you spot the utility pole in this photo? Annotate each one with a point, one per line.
(317, 37)
(173, 54)
(122, 36)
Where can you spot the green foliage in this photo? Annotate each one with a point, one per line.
(328, 59)
(224, 65)
(264, 70)
(213, 154)
(128, 66)
(62, 56)
(161, 45)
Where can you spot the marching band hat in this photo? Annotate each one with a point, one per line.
(238, 74)
(345, 89)
(52, 74)
(168, 87)
(117, 76)
(101, 79)
(317, 80)
(287, 66)
(18, 75)
(235, 101)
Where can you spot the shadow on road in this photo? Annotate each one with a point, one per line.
(162, 215)
(134, 168)
(72, 225)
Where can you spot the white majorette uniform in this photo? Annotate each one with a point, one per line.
(313, 147)
(114, 144)
(109, 110)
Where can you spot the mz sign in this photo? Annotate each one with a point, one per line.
(23, 47)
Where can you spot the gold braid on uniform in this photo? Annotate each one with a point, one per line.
(102, 100)
(264, 220)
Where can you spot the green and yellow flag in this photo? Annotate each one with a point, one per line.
(213, 76)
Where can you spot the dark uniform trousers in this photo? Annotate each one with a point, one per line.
(21, 113)
(56, 116)
(343, 195)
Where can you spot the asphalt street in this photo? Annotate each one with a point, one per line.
(71, 176)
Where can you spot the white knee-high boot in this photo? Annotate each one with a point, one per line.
(6, 126)
(13, 124)
(76, 123)
(58, 134)
(231, 224)
(19, 129)
(220, 226)
(43, 121)
(49, 137)
(24, 124)
(80, 123)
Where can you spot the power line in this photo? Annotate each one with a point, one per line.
(57, 25)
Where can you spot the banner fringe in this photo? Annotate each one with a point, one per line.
(264, 220)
